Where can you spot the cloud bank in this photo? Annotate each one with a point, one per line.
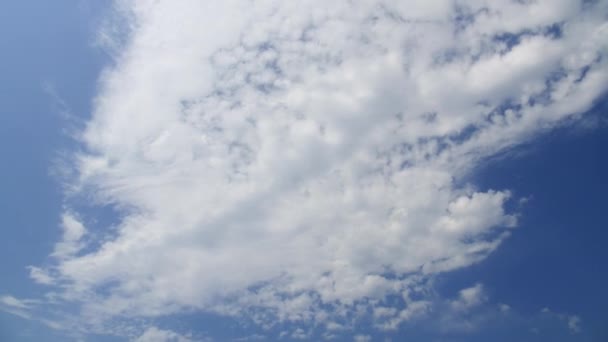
(303, 161)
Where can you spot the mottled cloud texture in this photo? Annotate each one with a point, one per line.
(300, 161)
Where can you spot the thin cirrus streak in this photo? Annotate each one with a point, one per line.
(296, 161)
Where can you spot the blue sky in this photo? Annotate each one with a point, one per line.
(191, 171)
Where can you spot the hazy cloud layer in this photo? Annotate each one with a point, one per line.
(300, 161)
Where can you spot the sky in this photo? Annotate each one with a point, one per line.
(363, 170)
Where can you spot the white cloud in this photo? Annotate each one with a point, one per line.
(469, 298)
(412, 309)
(574, 324)
(154, 334)
(18, 307)
(40, 276)
(254, 337)
(289, 156)
(362, 338)
(73, 231)
(13, 302)
(300, 334)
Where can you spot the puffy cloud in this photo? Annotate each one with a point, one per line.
(389, 319)
(275, 159)
(469, 298)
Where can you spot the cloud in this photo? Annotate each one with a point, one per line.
(13, 302)
(390, 320)
(18, 307)
(471, 311)
(362, 338)
(73, 232)
(154, 334)
(40, 275)
(472, 314)
(285, 161)
(469, 298)
(573, 322)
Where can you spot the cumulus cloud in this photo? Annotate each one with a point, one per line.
(296, 161)
(469, 298)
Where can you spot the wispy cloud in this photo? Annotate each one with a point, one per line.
(573, 322)
(13, 302)
(18, 307)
